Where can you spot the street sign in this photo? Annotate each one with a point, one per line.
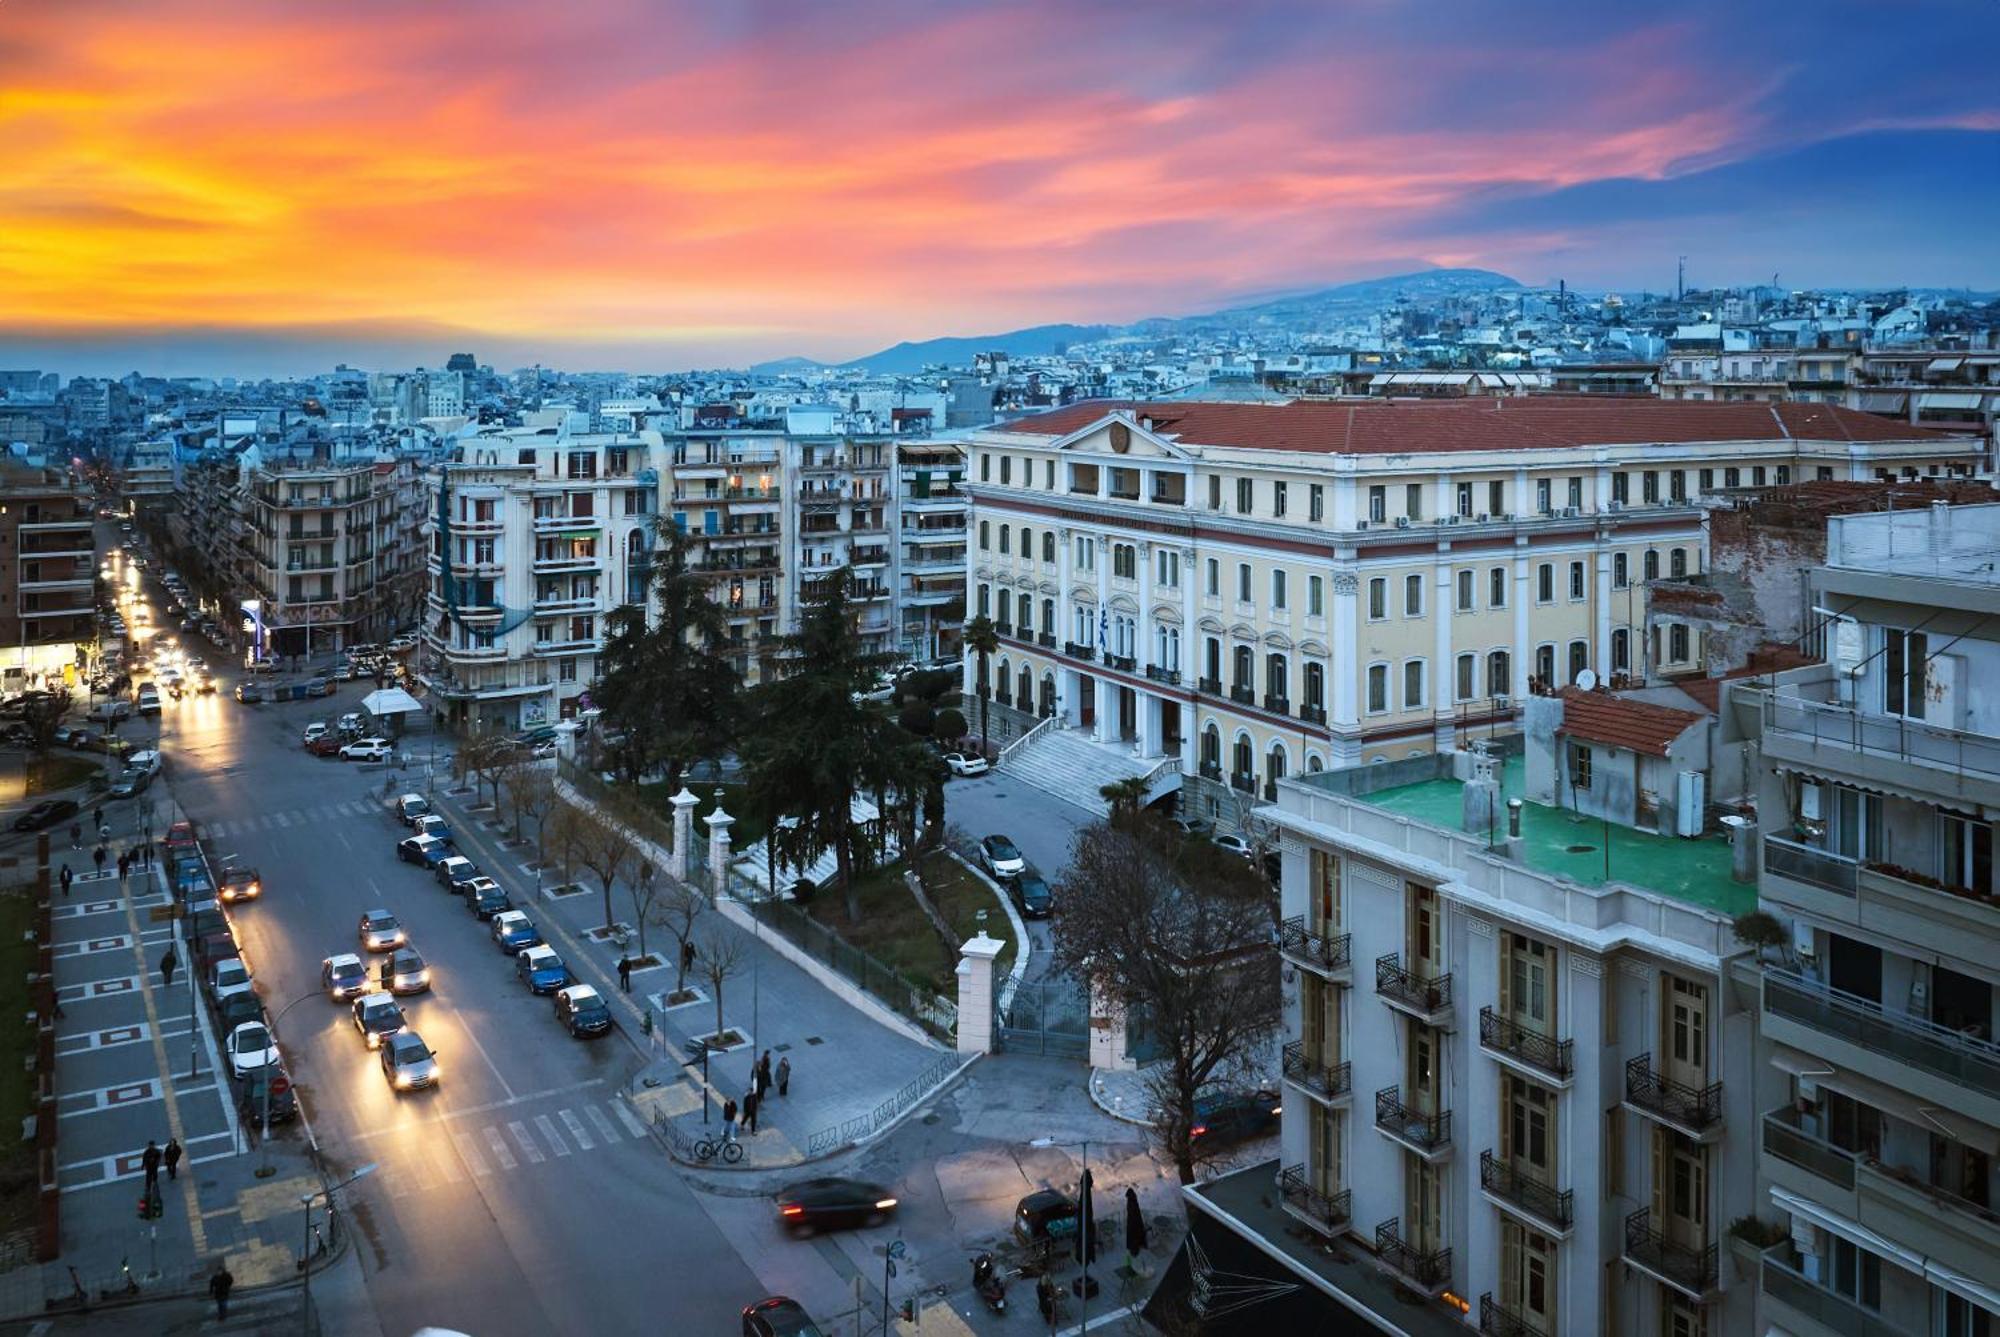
(897, 1248)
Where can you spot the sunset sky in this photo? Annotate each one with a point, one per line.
(219, 185)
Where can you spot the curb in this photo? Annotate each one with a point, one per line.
(1097, 1099)
(1024, 944)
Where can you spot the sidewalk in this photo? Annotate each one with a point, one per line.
(845, 1065)
(129, 1066)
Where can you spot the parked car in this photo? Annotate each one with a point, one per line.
(1234, 1116)
(583, 1011)
(1043, 1215)
(237, 1008)
(250, 1046)
(226, 979)
(110, 712)
(432, 825)
(541, 969)
(130, 782)
(409, 807)
(485, 898)
(1234, 844)
(327, 745)
(424, 851)
(377, 1017)
(1032, 894)
(367, 749)
(350, 725)
(513, 930)
(454, 868)
(778, 1316)
(408, 1063)
(961, 763)
(149, 761)
(266, 1093)
(46, 814)
(822, 1204)
(1001, 857)
(314, 732)
(381, 931)
(343, 976)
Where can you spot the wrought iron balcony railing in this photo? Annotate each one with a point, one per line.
(1329, 1081)
(1691, 1269)
(1429, 1269)
(1417, 992)
(1429, 1132)
(1675, 1102)
(1330, 952)
(1530, 1046)
(1530, 1194)
(1328, 1211)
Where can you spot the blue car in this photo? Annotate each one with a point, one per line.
(541, 969)
(513, 930)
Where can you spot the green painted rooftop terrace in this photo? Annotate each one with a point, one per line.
(1586, 850)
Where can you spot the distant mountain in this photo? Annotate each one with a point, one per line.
(783, 365)
(1306, 309)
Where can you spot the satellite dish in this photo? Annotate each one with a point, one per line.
(1586, 679)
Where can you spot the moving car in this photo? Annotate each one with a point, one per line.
(343, 976)
(779, 1316)
(377, 1017)
(367, 749)
(513, 930)
(408, 1062)
(821, 1204)
(249, 1047)
(405, 973)
(541, 969)
(1032, 894)
(1001, 857)
(130, 782)
(962, 764)
(110, 712)
(1234, 1116)
(424, 851)
(46, 814)
(149, 700)
(583, 1011)
(485, 898)
(409, 807)
(240, 884)
(249, 693)
(381, 931)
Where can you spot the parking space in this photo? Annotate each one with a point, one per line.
(135, 1058)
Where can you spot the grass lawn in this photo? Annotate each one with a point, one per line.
(58, 771)
(896, 932)
(745, 831)
(18, 1188)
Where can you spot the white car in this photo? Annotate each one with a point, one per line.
(227, 979)
(409, 807)
(1236, 845)
(961, 764)
(350, 723)
(367, 749)
(250, 1047)
(148, 761)
(314, 732)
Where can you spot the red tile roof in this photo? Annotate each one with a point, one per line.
(1636, 726)
(1534, 422)
(1766, 658)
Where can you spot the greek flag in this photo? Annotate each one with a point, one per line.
(1103, 629)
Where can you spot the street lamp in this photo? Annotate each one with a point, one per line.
(1086, 1219)
(266, 1169)
(305, 1245)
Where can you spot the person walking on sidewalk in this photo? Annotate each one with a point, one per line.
(173, 1158)
(67, 878)
(785, 1077)
(76, 835)
(625, 973)
(687, 956)
(124, 866)
(150, 1159)
(168, 961)
(764, 1075)
(98, 855)
(219, 1286)
(750, 1109)
(728, 1121)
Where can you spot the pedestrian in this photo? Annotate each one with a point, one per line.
(687, 956)
(98, 855)
(168, 962)
(103, 827)
(625, 973)
(67, 878)
(76, 835)
(750, 1109)
(728, 1121)
(764, 1075)
(785, 1077)
(173, 1158)
(124, 865)
(150, 1159)
(219, 1286)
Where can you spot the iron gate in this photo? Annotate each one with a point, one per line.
(1050, 1017)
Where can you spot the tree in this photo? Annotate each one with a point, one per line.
(604, 850)
(680, 908)
(645, 891)
(918, 718)
(43, 715)
(484, 758)
(668, 683)
(720, 957)
(531, 793)
(1124, 797)
(1180, 937)
(562, 837)
(984, 641)
(949, 725)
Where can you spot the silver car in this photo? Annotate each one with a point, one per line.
(381, 931)
(408, 1062)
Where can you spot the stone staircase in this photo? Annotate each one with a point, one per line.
(1068, 765)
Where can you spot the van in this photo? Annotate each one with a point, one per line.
(149, 699)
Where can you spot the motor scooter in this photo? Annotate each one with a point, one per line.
(987, 1281)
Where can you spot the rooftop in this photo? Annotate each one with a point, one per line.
(1584, 850)
(1959, 543)
(1636, 726)
(1534, 422)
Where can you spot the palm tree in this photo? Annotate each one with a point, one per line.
(1124, 797)
(983, 641)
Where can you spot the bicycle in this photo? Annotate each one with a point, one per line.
(705, 1148)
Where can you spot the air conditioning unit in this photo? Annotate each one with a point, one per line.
(1451, 519)
(1616, 505)
(1402, 522)
(1361, 524)
(1484, 517)
(1569, 512)
(1506, 515)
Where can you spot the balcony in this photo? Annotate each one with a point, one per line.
(1695, 1114)
(477, 528)
(580, 645)
(1277, 705)
(1689, 1269)
(1075, 651)
(1210, 686)
(1242, 782)
(1242, 695)
(769, 535)
(474, 654)
(1329, 955)
(1496, 1320)
(1313, 714)
(1426, 999)
(566, 562)
(1799, 1305)
(1429, 1135)
(1520, 1192)
(1046, 639)
(1124, 663)
(1327, 1213)
(1171, 677)
(1814, 867)
(1330, 1084)
(1429, 1272)
(1904, 1052)
(568, 524)
(567, 603)
(1886, 749)
(1542, 1057)
(1877, 901)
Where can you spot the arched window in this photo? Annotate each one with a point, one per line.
(1211, 750)
(1004, 684)
(1004, 549)
(1579, 658)
(636, 547)
(1278, 681)
(1274, 770)
(983, 527)
(1025, 692)
(1048, 695)
(983, 603)
(1677, 562)
(1545, 667)
(1027, 613)
(1027, 542)
(1652, 564)
(1244, 768)
(1499, 674)
(1211, 659)
(1313, 764)
(1621, 651)
(1048, 617)
(1005, 620)
(1246, 670)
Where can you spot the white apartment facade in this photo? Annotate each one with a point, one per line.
(1261, 590)
(1880, 782)
(930, 546)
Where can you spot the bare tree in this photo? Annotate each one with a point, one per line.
(530, 791)
(561, 835)
(680, 908)
(645, 889)
(1178, 935)
(485, 759)
(721, 956)
(604, 850)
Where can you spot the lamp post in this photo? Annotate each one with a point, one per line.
(265, 1170)
(1086, 1219)
(305, 1245)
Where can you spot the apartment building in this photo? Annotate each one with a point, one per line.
(48, 572)
(1879, 780)
(930, 546)
(533, 536)
(846, 502)
(1251, 591)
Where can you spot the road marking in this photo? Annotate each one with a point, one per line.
(281, 819)
(526, 1142)
(488, 1108)
(603, 1124)
(499, 1146)
(575, 1126)
(469, 1149)
(87, 908)
(504, 1084)
(447, 1165)
(629, 1119)
(192, 1203)
(122, 986)
(548, 1127)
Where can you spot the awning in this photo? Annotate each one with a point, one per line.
(391, 701)
(1935, 400)
(1945, 1278)
(1938, 364)
(1883, 403)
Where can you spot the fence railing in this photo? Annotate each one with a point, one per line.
(1041, 727)
(888, 985)
(1531, 1046)
(1938, 1050)
(1692, 1107)
(1803, 863)
(912, 1091)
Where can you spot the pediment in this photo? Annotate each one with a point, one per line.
(1167, 614)
(1120, 434)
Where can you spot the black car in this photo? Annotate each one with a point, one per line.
(779, 1316)
(1234, 1116)
(583, 1011)
(1032, 894)
(46, 814)
(819, 1204)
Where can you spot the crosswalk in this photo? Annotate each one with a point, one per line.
(225, 827)
(449, 1154)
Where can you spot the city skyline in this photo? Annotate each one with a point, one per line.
(627, 185)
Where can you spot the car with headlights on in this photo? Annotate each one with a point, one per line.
(541, 969)
(377, 1017)
(513, 930)
(381, 931)
(408, 1063)
(406, 973)
(823, 1204)
(240, 884)
(583, 1011)
(343, 976)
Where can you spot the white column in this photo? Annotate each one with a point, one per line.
(1443, 677)
(976, 1001)
(1603, 611)
(1344, 669)
(1145, 652)
(1482, 978)
(719, 823)
(684, 806)
(1101, 708)
(1065, 606)
(1148, 719)
(1524, 601)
